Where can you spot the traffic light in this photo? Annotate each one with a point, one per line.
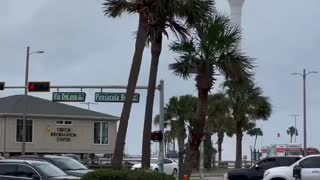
(39, 86)
(1, 86)
(156, 136)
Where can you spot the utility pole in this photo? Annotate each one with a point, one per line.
(304, 77)
(295, 126)
(24, 121)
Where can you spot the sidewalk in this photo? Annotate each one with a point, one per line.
(211, 173)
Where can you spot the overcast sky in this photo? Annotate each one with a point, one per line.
(83, 47)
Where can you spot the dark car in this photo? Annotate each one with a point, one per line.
(256, 171)
(67, 164)
(74, 156)
(13, 169)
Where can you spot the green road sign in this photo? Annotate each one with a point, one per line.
(114, 97)
(69, 96)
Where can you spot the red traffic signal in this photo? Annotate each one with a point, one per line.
(156, 136)
(39, 86)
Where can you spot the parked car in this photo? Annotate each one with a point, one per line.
(74, 156)
(307, 168)
(170, 166)
(67, 164)
(256, 171)
(13, 169)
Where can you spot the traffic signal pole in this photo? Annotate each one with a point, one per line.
(160, 87)
(24, 125)
(161, 143)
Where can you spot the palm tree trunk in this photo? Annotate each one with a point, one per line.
(132, 82)
(174, 144)
(255, 142)
(207, 151)
(181, 153)
(239, 136)
(197, 131)
(155, 55)
(291, 138)
(165, 146)
(220, 141)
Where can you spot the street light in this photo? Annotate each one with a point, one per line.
(304, 76)
(24, 126)
(295, 126)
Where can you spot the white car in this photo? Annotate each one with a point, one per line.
(170, 166)
(308, 168)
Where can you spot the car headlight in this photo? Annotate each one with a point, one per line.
(266, 174)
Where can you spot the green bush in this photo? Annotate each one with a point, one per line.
(125, 175)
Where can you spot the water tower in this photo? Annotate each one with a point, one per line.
(236, 11)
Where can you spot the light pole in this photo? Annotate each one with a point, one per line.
(24, 125)
(295, 126)
(304, 76)
(161, 144)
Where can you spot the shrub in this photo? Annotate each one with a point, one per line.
(125, 175)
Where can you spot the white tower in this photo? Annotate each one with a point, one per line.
(236, 11)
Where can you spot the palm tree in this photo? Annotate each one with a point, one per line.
(292, 131)
(175, 15)
(219, 118)
(167, 140)
(178, 112)
(214, 48)
(255, 132)
(115, 8)
(248, 105)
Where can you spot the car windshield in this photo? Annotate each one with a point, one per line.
(49, 170)
(68, 164)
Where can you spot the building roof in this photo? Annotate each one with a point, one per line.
(38, 107)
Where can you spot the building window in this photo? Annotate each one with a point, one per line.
(68, 122)
(100, 133)
(29, 130)
(61, 122)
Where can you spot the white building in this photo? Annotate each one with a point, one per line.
(54, 128)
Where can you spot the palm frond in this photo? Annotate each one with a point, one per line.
(180, 31)
(183, 47)
(236, 66)
(181, 69)
(114, 8)
(194, 11)
(223, 33)
(186, 62)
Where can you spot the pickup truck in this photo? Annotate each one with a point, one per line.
(307, 168)
(256, 171)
